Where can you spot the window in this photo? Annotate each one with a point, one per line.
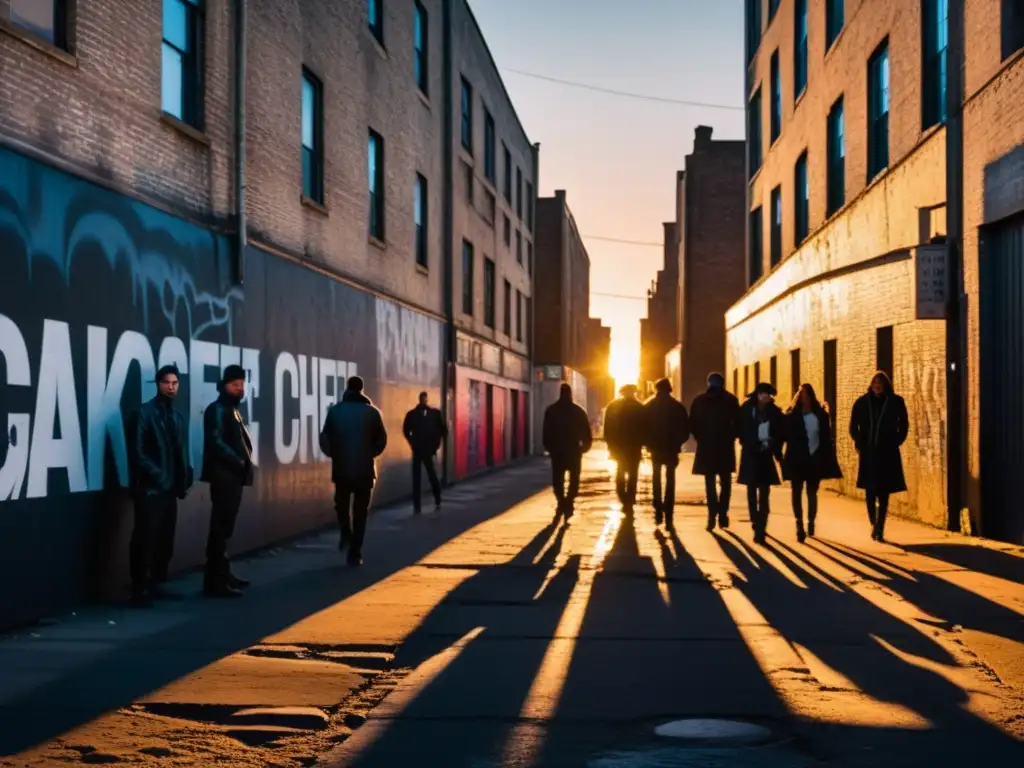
(488, 292)
(508, 173)
(420, 214)
(490, 207)
(420, 60)
(773, 6)
(467, 182)
(47, 19)
(746, 380)
(878, 111)
(519, 193)
(802, 200)
(835, 17)
(529, 258)
(800, 49)
(756, 245)
(735, 381)
(775, 245)
(794, 370)
(883, 350)
(776, 120)
(757, 373)
(490, 171)
(508, 231)
(935, 18)
(467, 116)
(831, 377)
(836, 158)
(182, 69)
(467, 277)
(527, 312)
(754, 133)
(519, 246)
(754, 23)
(508, 309)
(773, 371)
(1013, 27)
(375, 18)
(519, 316)
(312, 138)
(529, 206)
(375, 153)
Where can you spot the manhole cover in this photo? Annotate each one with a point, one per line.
(705, 730)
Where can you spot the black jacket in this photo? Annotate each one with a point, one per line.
(425, 429)
(757, 461)
(879, 427)
(714, 422)
(227, 446)
(566, 430)
(667, 428)
(798, 462)
(624, 427)
(159, 445)
(354, 436)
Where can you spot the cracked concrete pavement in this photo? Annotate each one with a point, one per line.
(494, 635)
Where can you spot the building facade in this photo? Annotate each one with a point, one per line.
(847, 167)
(166, 199)
(659, 329)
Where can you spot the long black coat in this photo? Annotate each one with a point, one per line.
(353, 436)
(624, 428)
(879, 426)
(714, 423)
(566, 432)
(798, 463)
(667, 428)
(424, 429)
(757, 464)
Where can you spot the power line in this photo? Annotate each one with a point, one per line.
(626, 94)
(622, 242)
(618, 296)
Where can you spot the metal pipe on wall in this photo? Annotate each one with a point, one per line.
(533, 308)
(448, 158)
(241, 220)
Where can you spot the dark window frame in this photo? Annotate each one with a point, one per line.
(57, 34)
(836, 163)
(773, 371)
(934, 60)
(879, 85)
(421, 220)
(507, 181)
(376, 26)
(794, 371)
(507, 230)
(313, 157)
(775, 117)
(519, 315)
(193, 85)
(421, 48)
(466, 101)
(755, 134)
(490, 291)
(529, 205)
(835, 20)
(519, 246)
(375, 145)
(775, 228)
(468, 277)
(519, 193)
(830, 380)
(755, 245)
(755, 27)
(490, 148)
(1011, 27)
(800, 49)
(884, 350)
(508, 309)
(801, 200)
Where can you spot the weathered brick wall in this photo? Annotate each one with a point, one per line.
(471, 57)
(785, 312)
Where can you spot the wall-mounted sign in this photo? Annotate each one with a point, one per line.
(553, 372)
(931, 281)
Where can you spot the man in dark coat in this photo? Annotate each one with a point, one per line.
(714, 422)
(424, 429)
(566, 437)
(227, 467)
(879, 426)
(624, 426)
(762, 426)
(667, 428)
(162, 475)
(353, 436)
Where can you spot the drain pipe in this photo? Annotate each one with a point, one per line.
(448, 159)
(534, 383)
(241, 220)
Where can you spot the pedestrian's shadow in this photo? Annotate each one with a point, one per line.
(861, 642)
(1003, 565)
(510, 611)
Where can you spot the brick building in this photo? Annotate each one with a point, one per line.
(846, 132)
(121, 204)
(659, 329)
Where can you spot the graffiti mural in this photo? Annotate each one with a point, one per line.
(98, 292)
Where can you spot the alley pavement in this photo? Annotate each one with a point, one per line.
(496, 634)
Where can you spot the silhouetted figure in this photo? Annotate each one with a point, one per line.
(714, 422)
(227, 467)
(762, 427)
(162, 474)
(879, 425)
(566, 437)
(810, 455)
(425, 430)
(667, 428)
(624, 433)
(353, 436)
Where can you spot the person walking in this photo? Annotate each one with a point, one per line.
(879, 426)
(667, 428)
(761, 437)
(624, 435)
(425, 430)
(161, 476)
(353, 437)
(714, 422)
(227, 467)
(810, 455)
(566, 437)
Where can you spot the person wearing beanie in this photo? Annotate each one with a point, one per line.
(667, 428)
(714, 422)
(762, 426)
(624, 434)
(227, 467)
(161, 475)
(353, 437)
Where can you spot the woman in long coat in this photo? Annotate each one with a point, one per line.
(879, 426)
(810, 455)
(762, 433)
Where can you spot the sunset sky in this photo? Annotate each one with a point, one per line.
(616, 157)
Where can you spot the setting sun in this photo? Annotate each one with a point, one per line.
(624, 365)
